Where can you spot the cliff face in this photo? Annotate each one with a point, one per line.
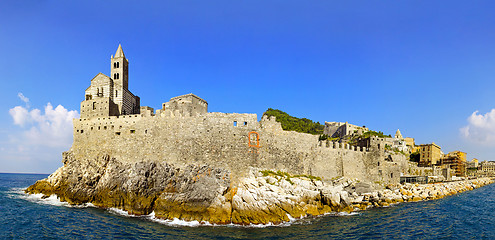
(215, 195)
(193, 192)
(141, 187)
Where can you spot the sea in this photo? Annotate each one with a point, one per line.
(468, 215)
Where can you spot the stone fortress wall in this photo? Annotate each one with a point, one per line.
(183, 132)
(227, 141)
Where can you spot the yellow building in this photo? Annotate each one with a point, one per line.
(410, 144)
(456, 161)
(473, 163)
(429, 154)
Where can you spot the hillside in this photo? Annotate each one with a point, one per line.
(290, 123)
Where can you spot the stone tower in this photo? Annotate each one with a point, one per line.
(110, 96)
(120, 69)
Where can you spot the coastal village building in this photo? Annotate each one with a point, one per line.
(339, 129)
(429, 154)
(456, 161)
(474, 163)
(472, 167)
(410, 144)
(487, 168)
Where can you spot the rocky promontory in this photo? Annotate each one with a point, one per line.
(215, 195)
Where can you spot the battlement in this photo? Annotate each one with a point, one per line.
(345, 146)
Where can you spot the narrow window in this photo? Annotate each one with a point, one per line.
(105, 127)
(116, 93)
(94, 105)
(391, 175)
(118, 65)
(117, 76)
(245, 123)
(235, 123)
(114, 65)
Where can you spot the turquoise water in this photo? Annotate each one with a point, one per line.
(469, 215)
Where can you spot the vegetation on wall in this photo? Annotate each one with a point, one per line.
(290, 123)
(371, 133)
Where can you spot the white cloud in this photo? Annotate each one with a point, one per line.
(53, 128)
(20, 115)
(36, 140)
(480, 128)
(23, 98)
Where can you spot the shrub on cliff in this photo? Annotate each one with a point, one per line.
(371, 133)
(290, 123)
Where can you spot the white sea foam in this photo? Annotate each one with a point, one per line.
(55, 201)
(120, 212)
(347, 214)
(341, 214)
(38, 198)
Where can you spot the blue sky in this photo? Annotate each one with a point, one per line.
(423, 67)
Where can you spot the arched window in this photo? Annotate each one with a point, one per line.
(118, 65)
(117, 76)
(114, 65)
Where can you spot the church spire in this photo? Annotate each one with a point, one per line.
(120, 52)
(398, 134)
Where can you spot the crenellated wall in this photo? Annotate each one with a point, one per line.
(226, 141)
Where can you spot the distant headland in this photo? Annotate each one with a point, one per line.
(184, 162)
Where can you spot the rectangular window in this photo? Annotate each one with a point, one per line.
(94, 105)
(117, 133)
(235, 123)
(245, 123)
(133, 131)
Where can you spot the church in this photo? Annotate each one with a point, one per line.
(110, 96)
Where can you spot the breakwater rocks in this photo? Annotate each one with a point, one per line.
(273, 196)
(213, 195)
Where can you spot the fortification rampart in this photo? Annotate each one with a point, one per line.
(227, 141)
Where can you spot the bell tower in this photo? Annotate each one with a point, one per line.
(119, 70)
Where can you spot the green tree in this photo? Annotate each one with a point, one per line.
(414, 157)
(290, 123)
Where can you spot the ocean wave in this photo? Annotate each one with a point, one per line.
(342, 214)
(54, 200)
(38, 198)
